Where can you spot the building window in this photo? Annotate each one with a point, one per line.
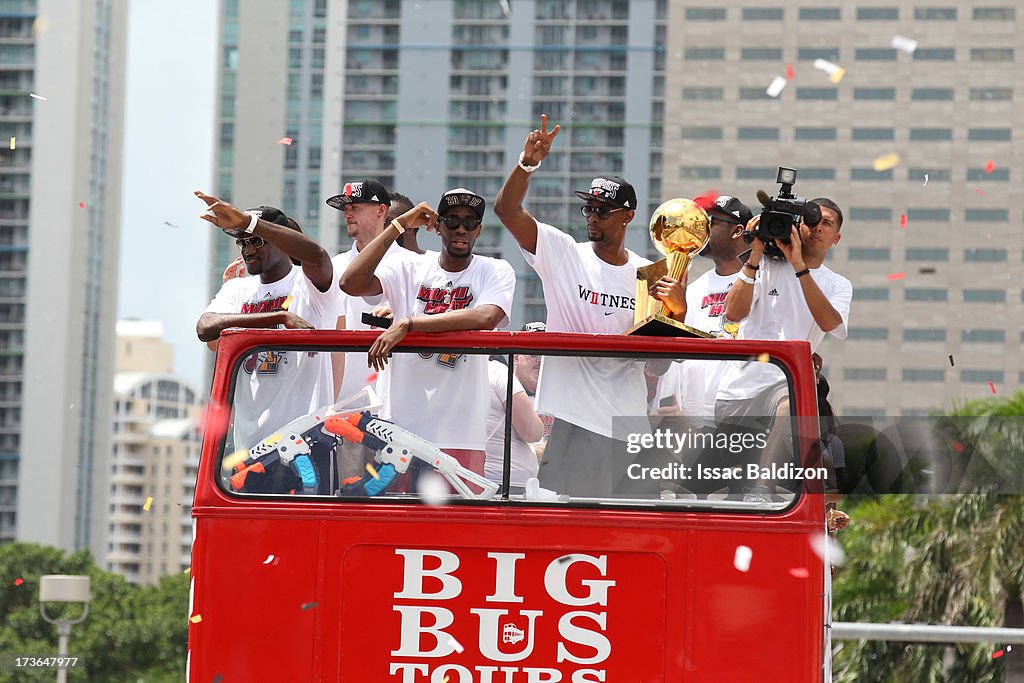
(983, 336)
(819, 14)
(755, 94)
(704, 53)
(870, 213)
(992, 94)
(763, 14)
(814, 134)
(870, 294)
(819, 94)
(869, 174)
(868, 254)
(935, 13)
(817, 173)
(705, 14)
(924, 335)
(992, 54)
(981, 375)
(927, 254)
(758, 133)
(878, 13)
(761, 53)
(925, 294)
(703, 93)
(985, 255)
(986, 215)
(868, 333)
(932, 94)
(809, 54)
(873, 134)
(994, 14)
(935, 175)
(935, 54)
(700, 133)
(875, 54)
(995, 175)
(700, 172)
(923, 375)
(864, 374)
(931, 134)
(876, 94)
(756, 173)
(988, 134)
(984, 296)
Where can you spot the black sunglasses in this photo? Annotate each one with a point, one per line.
(255, 242)
(453, 222)
(601, 212)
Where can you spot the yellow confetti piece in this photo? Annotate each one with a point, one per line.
(885, 162)
(837, 75)
(763, 358)
(196, 619)
(148, 503)
(188, 570)
(273, 438)
(41, 24)
(287, 302)
(230, 461)
(14, 142)
(372, 471)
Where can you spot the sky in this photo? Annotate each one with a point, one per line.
(168, 153)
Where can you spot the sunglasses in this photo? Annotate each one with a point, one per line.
(255, 242)
(601, 212)
(453, 222)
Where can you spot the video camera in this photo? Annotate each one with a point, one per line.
(781, 213)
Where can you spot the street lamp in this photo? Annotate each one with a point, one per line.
(63, 588)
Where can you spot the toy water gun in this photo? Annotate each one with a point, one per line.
(290, 445)
(397, 447)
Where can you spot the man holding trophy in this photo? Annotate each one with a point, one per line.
(589, 287)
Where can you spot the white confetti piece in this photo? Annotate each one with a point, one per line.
(741, 560)
(776, 86)
(904, 44)
(925, 180)
(506, 10)
(827, 550)
(433, 488)
(14, 142)
(456, 645)
(270, 558)
(826, 66)
(36, 97)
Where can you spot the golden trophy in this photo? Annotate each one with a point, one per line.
(679, 229)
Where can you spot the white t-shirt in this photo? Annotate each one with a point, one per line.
(275, 387)
(705, 310)
(780, 313)
(585, 294)
(442, 397)
(353, 307)
(524, 464)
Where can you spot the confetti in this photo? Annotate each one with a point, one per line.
(18, 581)
(196, 619)
(763, 358)
(776, 87)
(979, 191)
(41, 24)
(14, 142)
(371, 378)
(148, 504)
(188, 570)
(903, 221)
(951, 363)
(171, 225)
(958, 447)
(838, 75)
(706, 200)
(230, 461)
(81, 205)
(506, 10)
(373, 472)
(896, 276)
(741, 559)
(456, 645)
(433, 489)
(284, 141)
(990, 166)
(799, 572)
(925, 180)
(826, 548)
(834, 71)
(270, 558)
(287, 302)
(310, 605)
(886, 162)
(790, 72)
(36, 97)
(992, 387)
(903, 44)
(997, 654)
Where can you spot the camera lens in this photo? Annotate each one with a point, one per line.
(812, 214)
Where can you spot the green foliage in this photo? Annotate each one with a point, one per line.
(132, 633)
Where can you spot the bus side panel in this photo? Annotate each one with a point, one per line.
(762, 624)
(254, 593)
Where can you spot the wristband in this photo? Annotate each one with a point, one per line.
(524, 166)
(397, 226)
(253, 220)
(744, 278)
(750, 265)
(801, 273)
(409, 318)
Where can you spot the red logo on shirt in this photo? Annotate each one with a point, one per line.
(715, 302)
(265, 306)
(441, 299)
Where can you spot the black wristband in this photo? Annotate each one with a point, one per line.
(750, 265)
(801, 273)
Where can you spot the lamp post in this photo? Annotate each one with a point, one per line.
(63, 588)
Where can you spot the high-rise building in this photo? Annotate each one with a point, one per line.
(426, 96)
(154, 461)
(61, 105)
(933, 245)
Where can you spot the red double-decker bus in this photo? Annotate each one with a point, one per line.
(690, 579)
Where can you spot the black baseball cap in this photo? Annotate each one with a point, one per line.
(365, 191)
(271, 214)
(731, 209)
(610, 190)
(460, 196)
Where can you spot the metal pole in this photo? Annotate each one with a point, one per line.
(63, 631)
(927, 633)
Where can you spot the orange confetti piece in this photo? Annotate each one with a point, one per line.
(903, 221)
(18, 581)
(371, 378)
(992, 387)
(196, 619)
(997, 654)
(373, 472)
(990, 166)
(148, 504)
(81, 205)
(790, 72)
(764, 358)
(284, 141)
(896, 276)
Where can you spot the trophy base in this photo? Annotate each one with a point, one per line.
(663, 326)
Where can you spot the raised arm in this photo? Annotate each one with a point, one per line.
(316, 262)
(359, 279)
(741, 295)
(508, 206)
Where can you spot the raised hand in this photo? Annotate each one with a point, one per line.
(225, 216)
(538, 143)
